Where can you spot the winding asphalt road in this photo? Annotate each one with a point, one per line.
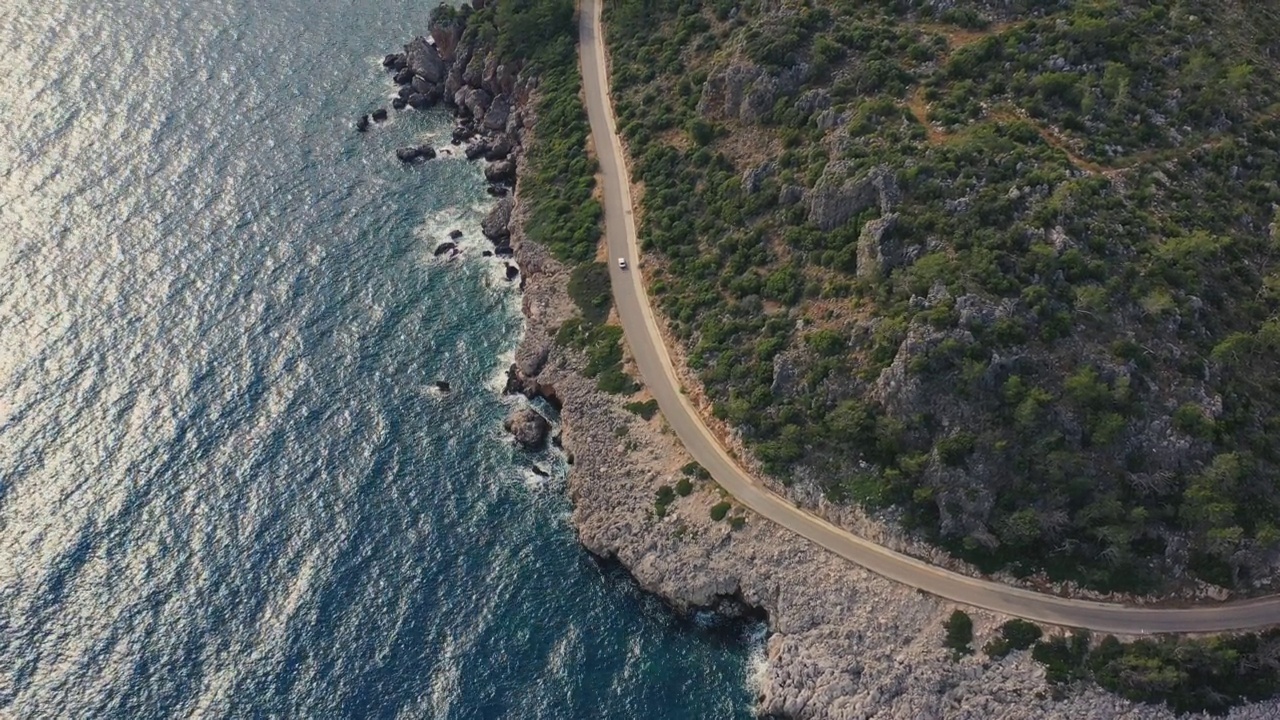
(660, 377)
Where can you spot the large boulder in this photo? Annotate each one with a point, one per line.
(473, 102)
(421, 85)
(528, 427)
(836, 198)
(424, 59)
(499, 110)
(414, 154)
(876, 254)
(495, 224)
(395, 61)
(503, 171)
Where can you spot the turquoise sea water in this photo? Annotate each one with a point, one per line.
(227, 487)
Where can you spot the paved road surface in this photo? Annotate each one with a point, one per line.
(660, 378)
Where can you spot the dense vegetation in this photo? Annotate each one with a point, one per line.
(1209, 675)
(1011, 269)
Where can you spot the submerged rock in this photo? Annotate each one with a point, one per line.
(379, 115)
(512, 272)
(362, 123)
(443, 248)
(398, 103)
(414, 154)
(528, 427)
(443, 386)
(455, 234)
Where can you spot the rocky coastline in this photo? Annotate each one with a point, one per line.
(843, 643)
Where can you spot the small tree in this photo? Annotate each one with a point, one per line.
(959, 633)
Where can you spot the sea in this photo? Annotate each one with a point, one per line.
(228, 484)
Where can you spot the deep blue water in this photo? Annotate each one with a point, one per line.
(227, 487)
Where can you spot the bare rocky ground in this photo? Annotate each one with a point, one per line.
(843, 643)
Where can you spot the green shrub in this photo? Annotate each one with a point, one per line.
(720, 509)
(959, 629)
(664, 497)
(737, 522)
(684, 487)
(1015, 634)
(646, 409)
(695, 470)
(589, 288)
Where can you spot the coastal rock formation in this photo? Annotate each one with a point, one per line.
(362, 123)
(414, 154)
(497, 223)
(528, 427)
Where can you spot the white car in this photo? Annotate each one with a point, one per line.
(622, 263)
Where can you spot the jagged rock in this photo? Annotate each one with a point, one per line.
(362, 123)
(453, 81)
(508, 74)
(495, 224)
(404, 76)
(486, 253)
(443, 386)
(474, 102)
(813, 101)
(398, 103)
(498, 150)
(528, 427)
(414, 154)
(788, 371)
(875, 253)
(836, 199)
(504, 250)
(447, 36)
(395, 61)
(540, 471)
(421, 86)
(477, 149)
(512, 272)
(499, 110)
(473, 74)
(746, 92)
(790, 195)
(379, 115)
(424, 59)
(419, 101)
(531, 362)
(753, 179)
(463, 133)
(518, 383)
(455, 234)
(496, 191)
(404, 92)
(503, 171)
(443, 248)
(723, 92)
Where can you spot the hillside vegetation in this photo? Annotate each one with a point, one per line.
(1007, 269)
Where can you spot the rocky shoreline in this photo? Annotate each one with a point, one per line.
(843, 643)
